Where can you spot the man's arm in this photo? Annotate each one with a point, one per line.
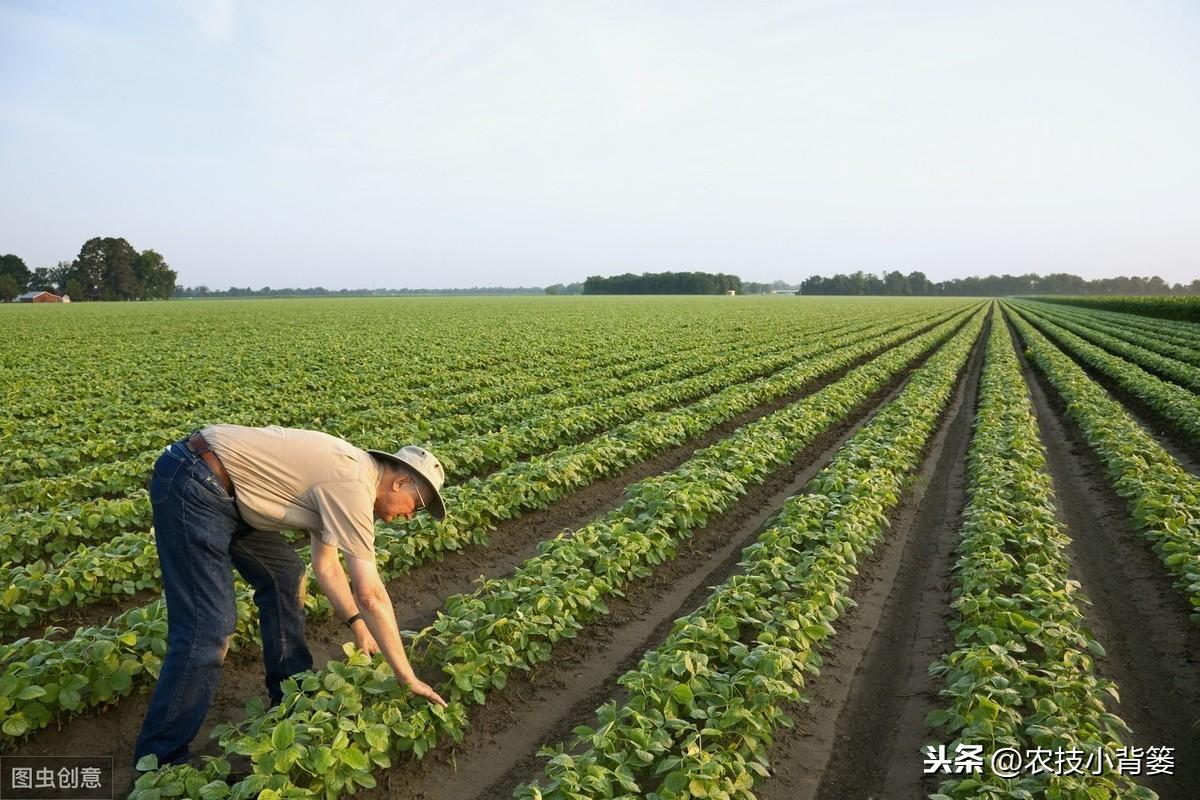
(371, 599)
(327, 568)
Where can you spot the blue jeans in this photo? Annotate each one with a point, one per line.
(200, 538)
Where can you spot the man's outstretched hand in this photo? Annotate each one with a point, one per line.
(364, 640)
(420, 687)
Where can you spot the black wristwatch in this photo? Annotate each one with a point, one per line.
(350, 622)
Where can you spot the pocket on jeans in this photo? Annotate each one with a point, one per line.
(165, 470)
(204, 476)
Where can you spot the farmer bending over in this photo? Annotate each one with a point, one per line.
(220, 498)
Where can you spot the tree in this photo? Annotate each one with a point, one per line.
(111, 269)
(60, 274)
(42, 281)
(156, 278)
(662, 283)
(814, 284)
(895, 283)
(76, 288)
(104, 267)
(918, 284)
(13, 267)
(8, 288)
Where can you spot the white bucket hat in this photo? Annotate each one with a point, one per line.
(425, 465)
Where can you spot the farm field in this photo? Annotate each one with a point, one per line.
(697, 547)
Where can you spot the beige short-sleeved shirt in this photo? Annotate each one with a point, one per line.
(284, 478)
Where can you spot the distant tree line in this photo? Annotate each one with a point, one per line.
(663, 283)
(106, 268)
(570, 288)
(915, 283)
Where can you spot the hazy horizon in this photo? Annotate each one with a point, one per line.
(527, 144)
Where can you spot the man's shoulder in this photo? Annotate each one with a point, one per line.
(348, 463)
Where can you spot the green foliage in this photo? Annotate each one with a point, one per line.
(1185, 309)
(9, 288)
(109, 268)
(663, 283)
(513, 623)
(1177, 341)
(1177, 405)
(1136, 348)
(1162, 497)
(128, 563)
(1021, 674)
(17, 274)
(702, 708)
(478, 505)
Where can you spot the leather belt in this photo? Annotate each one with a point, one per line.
(200, 447)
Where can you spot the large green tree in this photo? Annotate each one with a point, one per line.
(13, 267)
(157, 279)
(8, 288)
(110, 268)
(104, 268)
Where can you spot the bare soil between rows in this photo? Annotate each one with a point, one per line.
(417, 596)
(1141, 620)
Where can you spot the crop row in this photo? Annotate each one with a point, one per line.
(62, 524)
(448, 413)
(518, 430)
(702, 708)
(1021, 674)
(478, 506)
(1158, 341)
(1173, 403)
(1186, 334)
(1186, 375)
(186, 359)
(1185, 309)
(449, 403)
(341, 724)
(1161, 495)
(1183, 334)
(346, 379)
(128, 563)
(279, 368)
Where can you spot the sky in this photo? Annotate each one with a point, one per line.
(421, 145)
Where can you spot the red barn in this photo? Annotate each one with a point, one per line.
(39, 297)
